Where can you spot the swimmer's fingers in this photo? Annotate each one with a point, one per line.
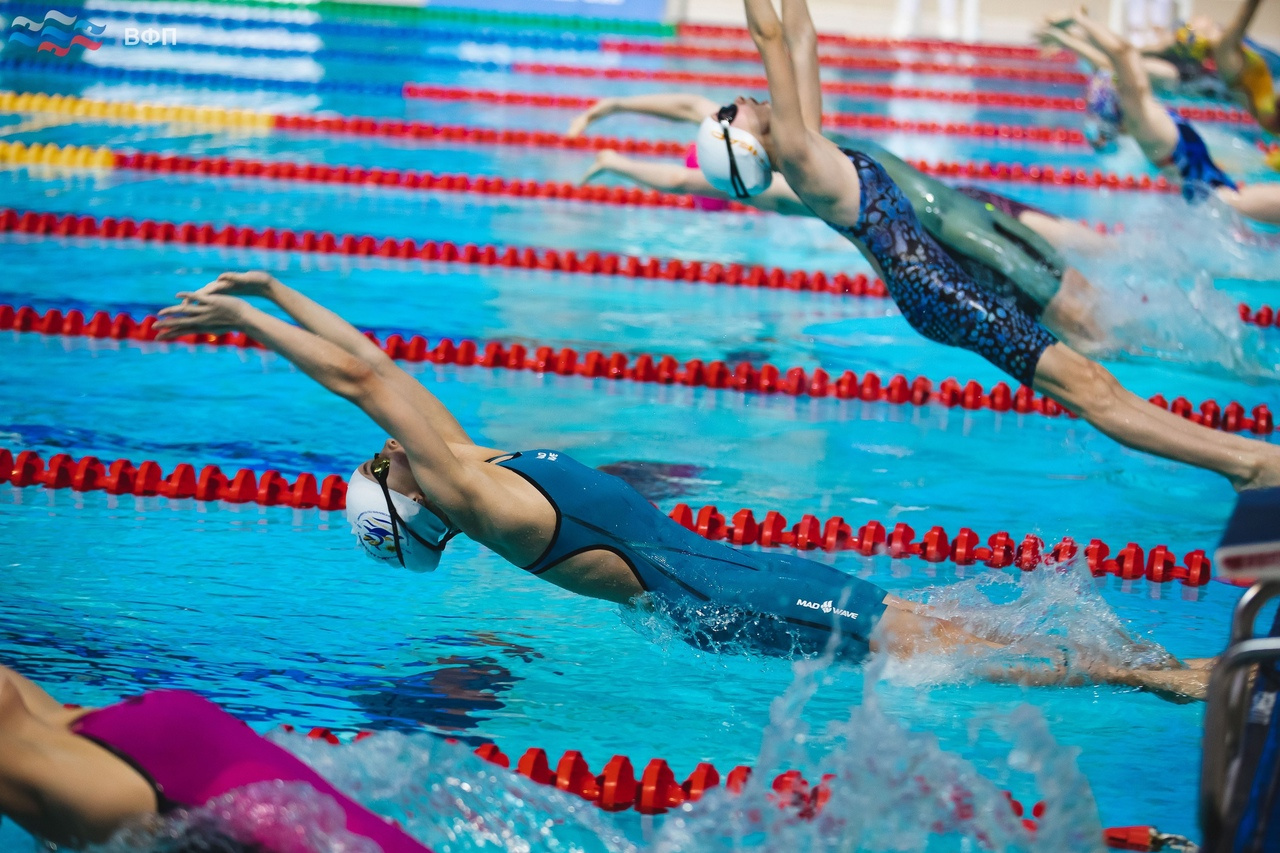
(579, 124)
(249, 283)
(603, 162)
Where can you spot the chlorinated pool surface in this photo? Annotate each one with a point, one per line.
(273, 613)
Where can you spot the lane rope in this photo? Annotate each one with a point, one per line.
(745, 378)
(467, 135)
(86, 157)
(270, 488)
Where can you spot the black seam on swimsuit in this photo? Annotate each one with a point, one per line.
(505, 457)
(588, 549)
(555, 534)
(164, 805)
(1028, 248)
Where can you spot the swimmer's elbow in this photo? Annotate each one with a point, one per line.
(354, 379)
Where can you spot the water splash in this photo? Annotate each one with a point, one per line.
(890, 789)
(1156, 294)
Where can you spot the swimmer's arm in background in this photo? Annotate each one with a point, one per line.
(390, 397)
(1228, 53)
(670, 178)
(318, 320)
(802, 44)
(676, 106)
(821, 175)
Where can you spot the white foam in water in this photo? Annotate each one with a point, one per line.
(1156, 293)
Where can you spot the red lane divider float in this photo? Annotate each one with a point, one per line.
(981, 170)
(664, 370)
(862, 90)
(994, 51)
(859, 121)
(1266, 316)
(479, 184)
(851, 63)
(270, 488)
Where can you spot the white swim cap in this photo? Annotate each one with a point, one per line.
(743, 153)
(415, 539)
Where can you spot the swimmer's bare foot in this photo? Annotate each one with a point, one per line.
(604, 162)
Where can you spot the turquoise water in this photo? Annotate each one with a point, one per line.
(273, 614)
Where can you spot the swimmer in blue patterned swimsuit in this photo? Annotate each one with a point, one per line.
(856, 196)
(588, 531)
(1121, 101)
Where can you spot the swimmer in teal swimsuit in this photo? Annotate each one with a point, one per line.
(579, 528)
(1168, 140)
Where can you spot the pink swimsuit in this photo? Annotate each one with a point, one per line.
(191, 751)
(702, 202)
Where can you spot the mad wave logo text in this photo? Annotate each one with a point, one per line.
(826, 607)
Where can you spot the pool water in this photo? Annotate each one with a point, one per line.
(270, 611)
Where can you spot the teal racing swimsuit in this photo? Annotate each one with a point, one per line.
(770, 603)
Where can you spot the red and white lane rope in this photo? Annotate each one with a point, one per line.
(994, 51)
(887, 65)
(857, 121)
(269, 488)
(753, 82)
(654, 368)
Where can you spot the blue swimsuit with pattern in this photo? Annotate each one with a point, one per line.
(763, 601)
(935, 295)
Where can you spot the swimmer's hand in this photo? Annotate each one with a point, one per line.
(203, 313)
(247, 284)
(605, 161)
(599, 110)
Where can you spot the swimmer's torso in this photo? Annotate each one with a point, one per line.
(610, 542)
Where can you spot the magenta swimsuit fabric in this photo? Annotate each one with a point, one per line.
(191, 751)
(702, 202)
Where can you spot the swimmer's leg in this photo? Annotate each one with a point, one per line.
(905, 630)
(34, 697)
(1259, 202)
(1071, 313)
(1065, 234)
(1088, 389)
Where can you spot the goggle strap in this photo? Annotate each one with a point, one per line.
(735, 177)
(380, 474)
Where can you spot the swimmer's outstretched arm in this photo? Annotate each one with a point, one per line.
(389, 396)
(802, 43)
(670, 178)
(676, 106)
(1145, 118)
(822, 177)
(318, 320)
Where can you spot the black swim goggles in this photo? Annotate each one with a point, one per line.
(380, 468)
(725, 117)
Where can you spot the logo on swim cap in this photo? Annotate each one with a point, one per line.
(374, 530)
(750, 162)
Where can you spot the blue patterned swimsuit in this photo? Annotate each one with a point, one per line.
(937, 297)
